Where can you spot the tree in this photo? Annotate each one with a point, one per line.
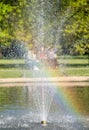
(76, 31)
(13, 25)
(61, 23)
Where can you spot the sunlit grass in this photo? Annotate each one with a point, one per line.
(67, 71)
(12, 61)
(13, 73)
(10, 73)
(74, 71)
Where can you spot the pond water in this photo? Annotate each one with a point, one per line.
(69, 109)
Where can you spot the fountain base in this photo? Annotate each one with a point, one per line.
(43, 123)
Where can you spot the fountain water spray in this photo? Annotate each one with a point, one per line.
(40, 39)
(43, 95)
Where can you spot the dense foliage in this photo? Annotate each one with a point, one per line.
(76, 32)
(61, 23)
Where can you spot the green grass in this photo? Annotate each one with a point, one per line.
(14, 73)
(82, 71)
(12, 61)
(10, 73)
(76, 66)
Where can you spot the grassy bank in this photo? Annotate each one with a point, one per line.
(71, 66)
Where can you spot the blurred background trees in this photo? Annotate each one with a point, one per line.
(65, 24)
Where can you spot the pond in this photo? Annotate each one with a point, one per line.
(69, 109)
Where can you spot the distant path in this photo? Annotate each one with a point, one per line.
(60, 81)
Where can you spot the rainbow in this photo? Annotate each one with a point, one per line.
(67, 97)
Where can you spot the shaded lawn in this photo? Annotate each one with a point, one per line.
(60, 60)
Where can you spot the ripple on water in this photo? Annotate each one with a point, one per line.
(24, 122)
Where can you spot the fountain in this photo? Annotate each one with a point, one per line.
(42, 59)
(44, 103)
